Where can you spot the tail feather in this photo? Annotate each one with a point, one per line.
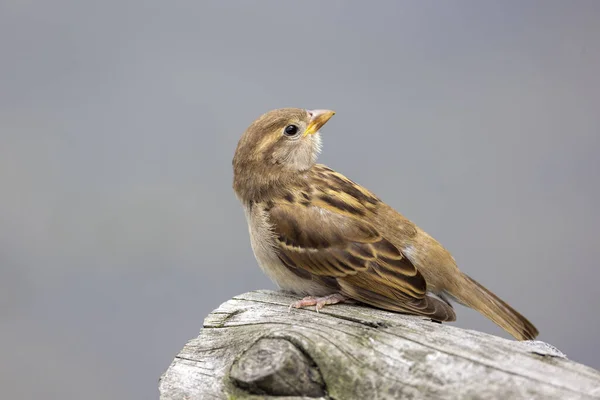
(472, 294)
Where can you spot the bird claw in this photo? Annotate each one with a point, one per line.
(318, 302)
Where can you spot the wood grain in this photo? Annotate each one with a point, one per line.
(252, 347)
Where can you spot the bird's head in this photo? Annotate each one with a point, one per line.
(279, 145)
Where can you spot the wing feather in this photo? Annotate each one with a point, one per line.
(329, 236)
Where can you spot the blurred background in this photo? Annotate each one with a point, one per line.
(119, 230)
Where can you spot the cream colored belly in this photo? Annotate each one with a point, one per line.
(263, 246)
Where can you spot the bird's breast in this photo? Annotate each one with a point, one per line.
(264, 246)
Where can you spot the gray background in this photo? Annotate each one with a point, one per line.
(119, 230)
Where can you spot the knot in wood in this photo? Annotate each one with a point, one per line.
(276, 367)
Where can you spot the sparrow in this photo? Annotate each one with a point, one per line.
(318, 234)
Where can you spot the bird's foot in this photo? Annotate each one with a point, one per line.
(319, 302)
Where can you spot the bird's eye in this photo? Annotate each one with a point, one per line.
(290, 130)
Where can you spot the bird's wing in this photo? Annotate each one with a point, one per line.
(328, 234)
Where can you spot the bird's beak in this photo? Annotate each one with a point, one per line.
(317, 120)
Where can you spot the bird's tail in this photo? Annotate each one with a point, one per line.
(472, 294)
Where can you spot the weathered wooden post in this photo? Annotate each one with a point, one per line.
(252, 347)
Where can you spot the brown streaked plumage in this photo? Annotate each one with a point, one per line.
(318, 234)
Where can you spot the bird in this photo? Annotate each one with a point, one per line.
(319, 235)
